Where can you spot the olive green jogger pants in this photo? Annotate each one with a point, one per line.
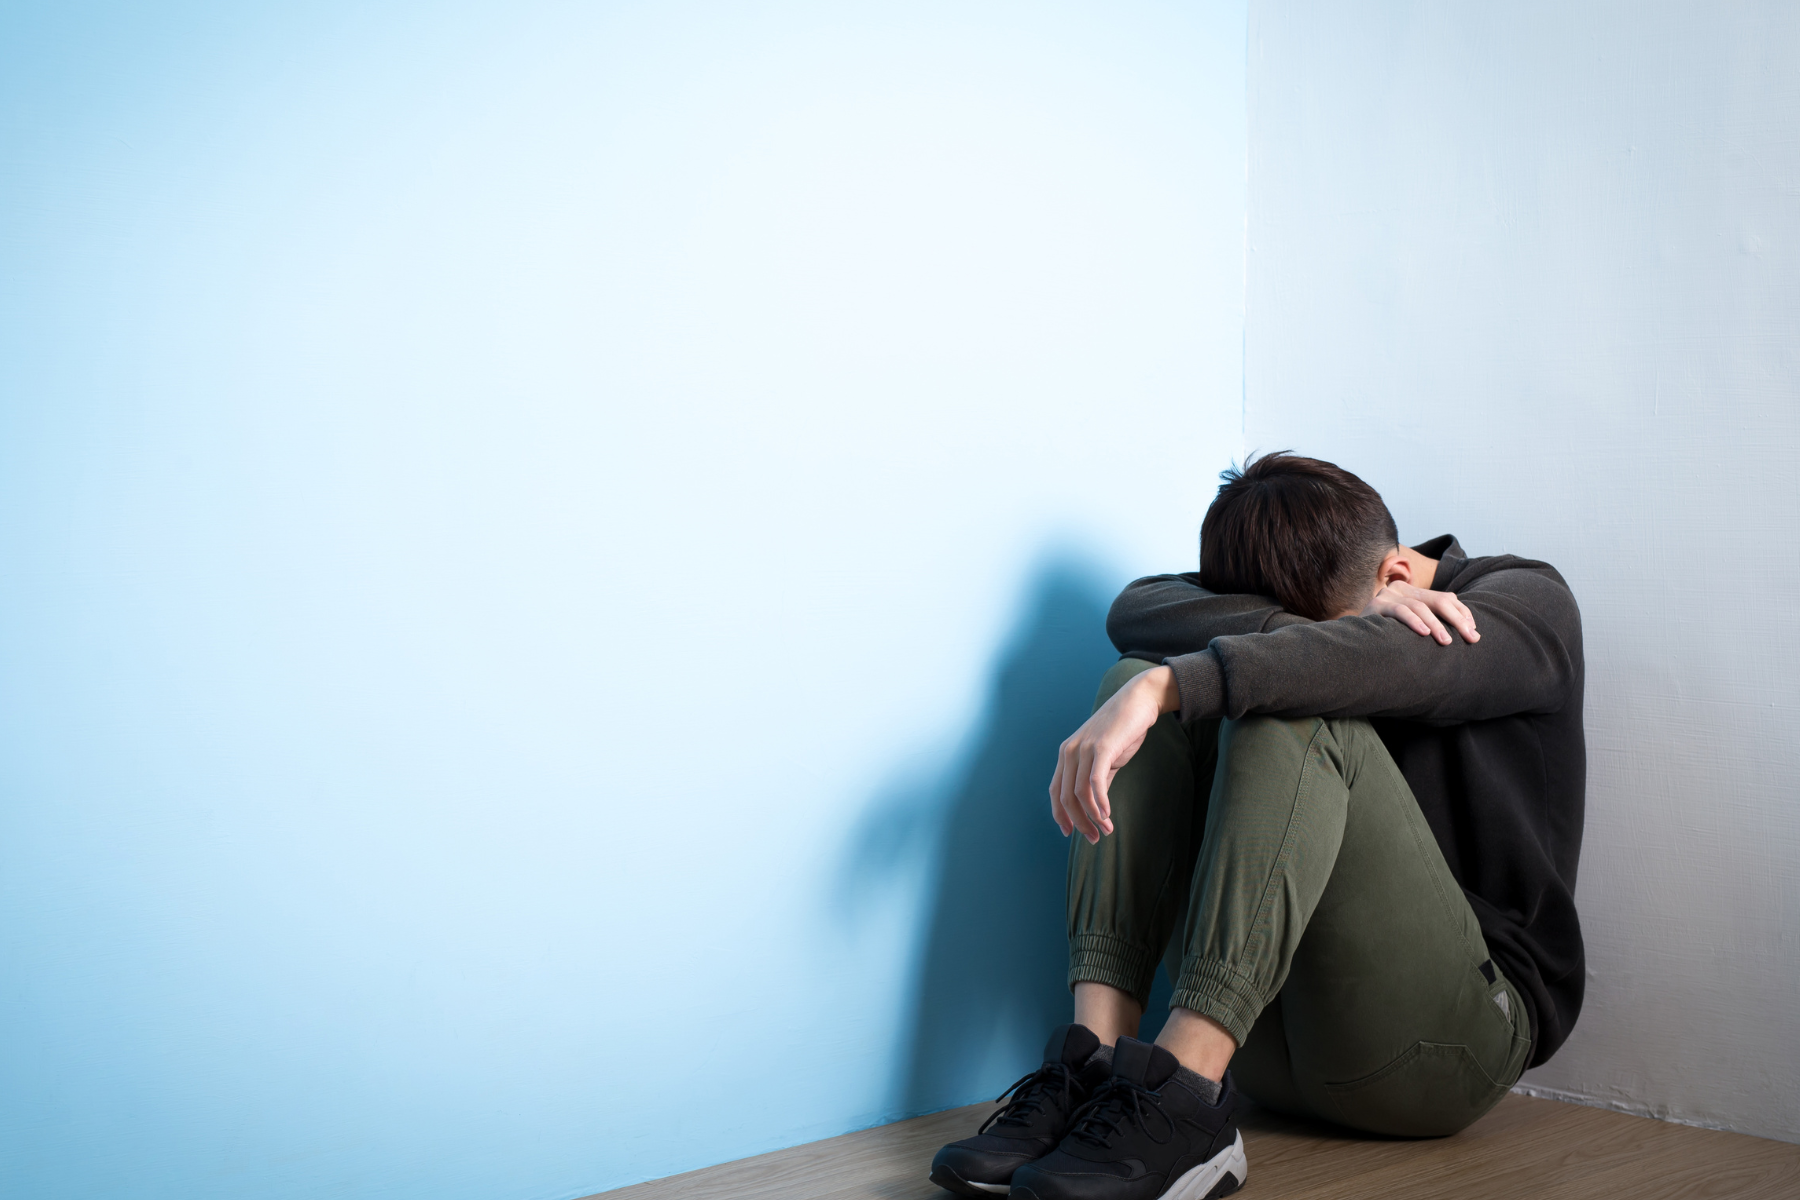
(1286, 872)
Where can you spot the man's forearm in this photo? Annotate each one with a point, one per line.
(1173, 614)
(1374, 666)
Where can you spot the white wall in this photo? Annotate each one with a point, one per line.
(532, 533)
(1534, 271)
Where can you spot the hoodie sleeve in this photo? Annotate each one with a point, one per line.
(1526, 660)
(1164, 615)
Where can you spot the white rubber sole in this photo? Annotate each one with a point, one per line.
(998, 1189)
(1198, 1183)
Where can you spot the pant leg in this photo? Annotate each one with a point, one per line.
(1264, 1069)
(1318, 879)
(1128, 893)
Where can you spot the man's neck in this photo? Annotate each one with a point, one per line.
(1424, 570)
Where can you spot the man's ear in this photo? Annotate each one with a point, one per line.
(1395, 568)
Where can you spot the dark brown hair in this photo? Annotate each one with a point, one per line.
(1307, 533)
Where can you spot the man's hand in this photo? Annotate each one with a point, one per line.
(1424, 612)
(1093, 754)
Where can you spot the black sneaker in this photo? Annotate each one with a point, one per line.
(1144, 1134)
(1043, 1104)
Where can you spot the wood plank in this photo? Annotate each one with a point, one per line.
(888, 1162)
(1543, 1149)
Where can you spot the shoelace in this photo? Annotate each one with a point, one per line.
(1030, 1093)
(1119, 1100)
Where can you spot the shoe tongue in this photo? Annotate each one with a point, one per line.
(1144, 1062)
(1071, 1044)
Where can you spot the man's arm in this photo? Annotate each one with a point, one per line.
(1089, 758)
(1524, 659)
(1172, 614)
(1164, 615)
(1369, 666)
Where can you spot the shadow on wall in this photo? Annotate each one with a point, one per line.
(992, 976)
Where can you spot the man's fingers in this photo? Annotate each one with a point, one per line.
(1106, 765)
(1093, 764)
(1062, 791)
(1077, 814)
(1099, 779)
(1420, 610)
(1056, 777)
(1467, 628)
(1436, 626)
(1075, 799)
(1077, 819)
(1459, 616)
(1438, 629)
(1403, 612)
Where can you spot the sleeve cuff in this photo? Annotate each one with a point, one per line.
(1201, 681)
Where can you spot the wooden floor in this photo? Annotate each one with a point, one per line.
(1525, 1148)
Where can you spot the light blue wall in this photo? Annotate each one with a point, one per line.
(544, 551)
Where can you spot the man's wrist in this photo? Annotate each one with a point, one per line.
(1162, 682)
(1199, 685)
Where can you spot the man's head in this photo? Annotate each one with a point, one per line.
(1308, 533)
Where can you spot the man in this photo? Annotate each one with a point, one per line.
(1336, 785)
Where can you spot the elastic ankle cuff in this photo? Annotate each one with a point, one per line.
(1102, 958)
(1212, 989)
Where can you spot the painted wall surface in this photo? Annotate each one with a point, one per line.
(546, 551)
(1534, 271)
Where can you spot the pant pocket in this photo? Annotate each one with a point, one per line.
(1429, 1091)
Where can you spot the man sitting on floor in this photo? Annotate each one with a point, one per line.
(1352, 830)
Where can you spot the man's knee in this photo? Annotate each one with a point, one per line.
(1287, 743)
(1271, 741)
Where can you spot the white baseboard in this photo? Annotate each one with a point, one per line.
(1631, 1107)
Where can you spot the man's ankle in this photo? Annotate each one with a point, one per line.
(1200, 1043)
(1108, 1011)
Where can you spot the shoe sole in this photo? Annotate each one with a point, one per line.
(950, 1181)
(1220, 1175)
